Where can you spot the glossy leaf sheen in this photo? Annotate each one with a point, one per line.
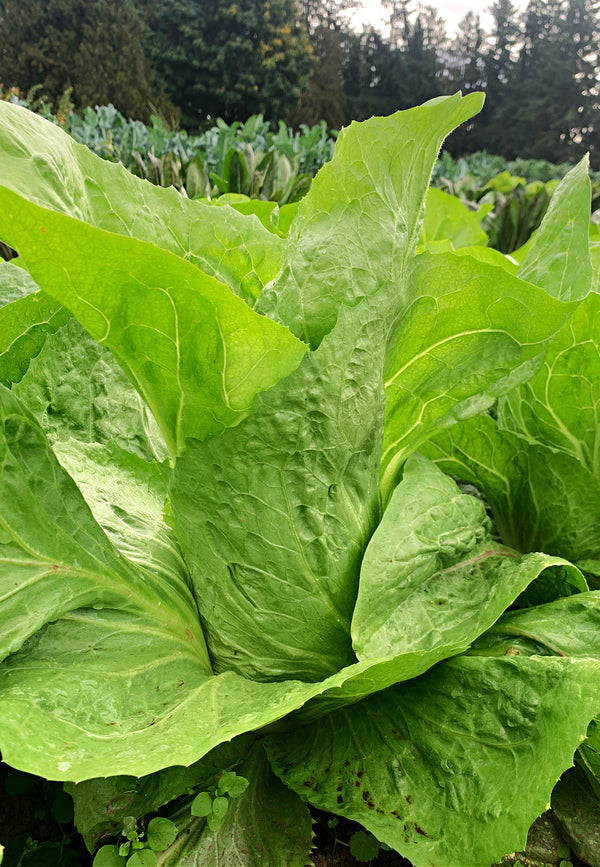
(26, 317)
(43, 164)
(458, 732)
(543, 500)
(195, 352)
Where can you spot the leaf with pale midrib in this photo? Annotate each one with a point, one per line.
(43, 164)
(195, 352)
(452, 768)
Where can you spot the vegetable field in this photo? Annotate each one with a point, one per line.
(299, 508)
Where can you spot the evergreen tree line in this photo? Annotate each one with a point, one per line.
(301, 61)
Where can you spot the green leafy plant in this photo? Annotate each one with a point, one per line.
(220, 547)
(135, 851)
(213, 805)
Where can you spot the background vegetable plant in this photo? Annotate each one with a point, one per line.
(220, 548)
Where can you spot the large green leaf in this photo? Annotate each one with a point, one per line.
(542, 499)
(107, 670)
(126, 496)
(194, 351)
(452, 768)
(393, 636)
(448, 218)
(357, 229)
(44, 165)
(558, 258)
(472, 332)
(121, 633)
(559, 406)
(54, 557)
(267, 824)
(76, 390)
(432, 576)
(26, 317)
(564, 627)
(278, 511)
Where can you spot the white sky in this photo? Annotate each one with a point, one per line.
(452, 10)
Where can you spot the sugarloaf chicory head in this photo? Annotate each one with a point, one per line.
(219, 545)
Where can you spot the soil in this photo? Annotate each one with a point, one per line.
(333, 849)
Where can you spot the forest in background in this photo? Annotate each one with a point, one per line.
(191, 61)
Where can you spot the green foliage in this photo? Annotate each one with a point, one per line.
(267, 164)
(228, 59)
(91, 47)
(364, 846)
(37, 823)
(213, 805)
(265, 583)
(160, 833)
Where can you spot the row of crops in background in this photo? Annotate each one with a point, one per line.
(258, 161)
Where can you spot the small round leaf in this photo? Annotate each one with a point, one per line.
(214, 823)
(225, 782)
(108, 856)
(202, 805)
(219, 807)
(143, 858)
(161, 833)
(233, 786)
(364, 846)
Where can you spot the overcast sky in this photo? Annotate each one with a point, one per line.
(452, 10)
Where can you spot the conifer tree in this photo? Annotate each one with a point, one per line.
(550, 98)
(91, 46)
(324, 98)
(228, 58)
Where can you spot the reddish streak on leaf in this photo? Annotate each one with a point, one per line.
(189, 634)
(43, 229)
(55, 567)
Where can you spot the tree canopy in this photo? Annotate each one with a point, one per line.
(93, 47)
(228, 58)
(304, 61)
